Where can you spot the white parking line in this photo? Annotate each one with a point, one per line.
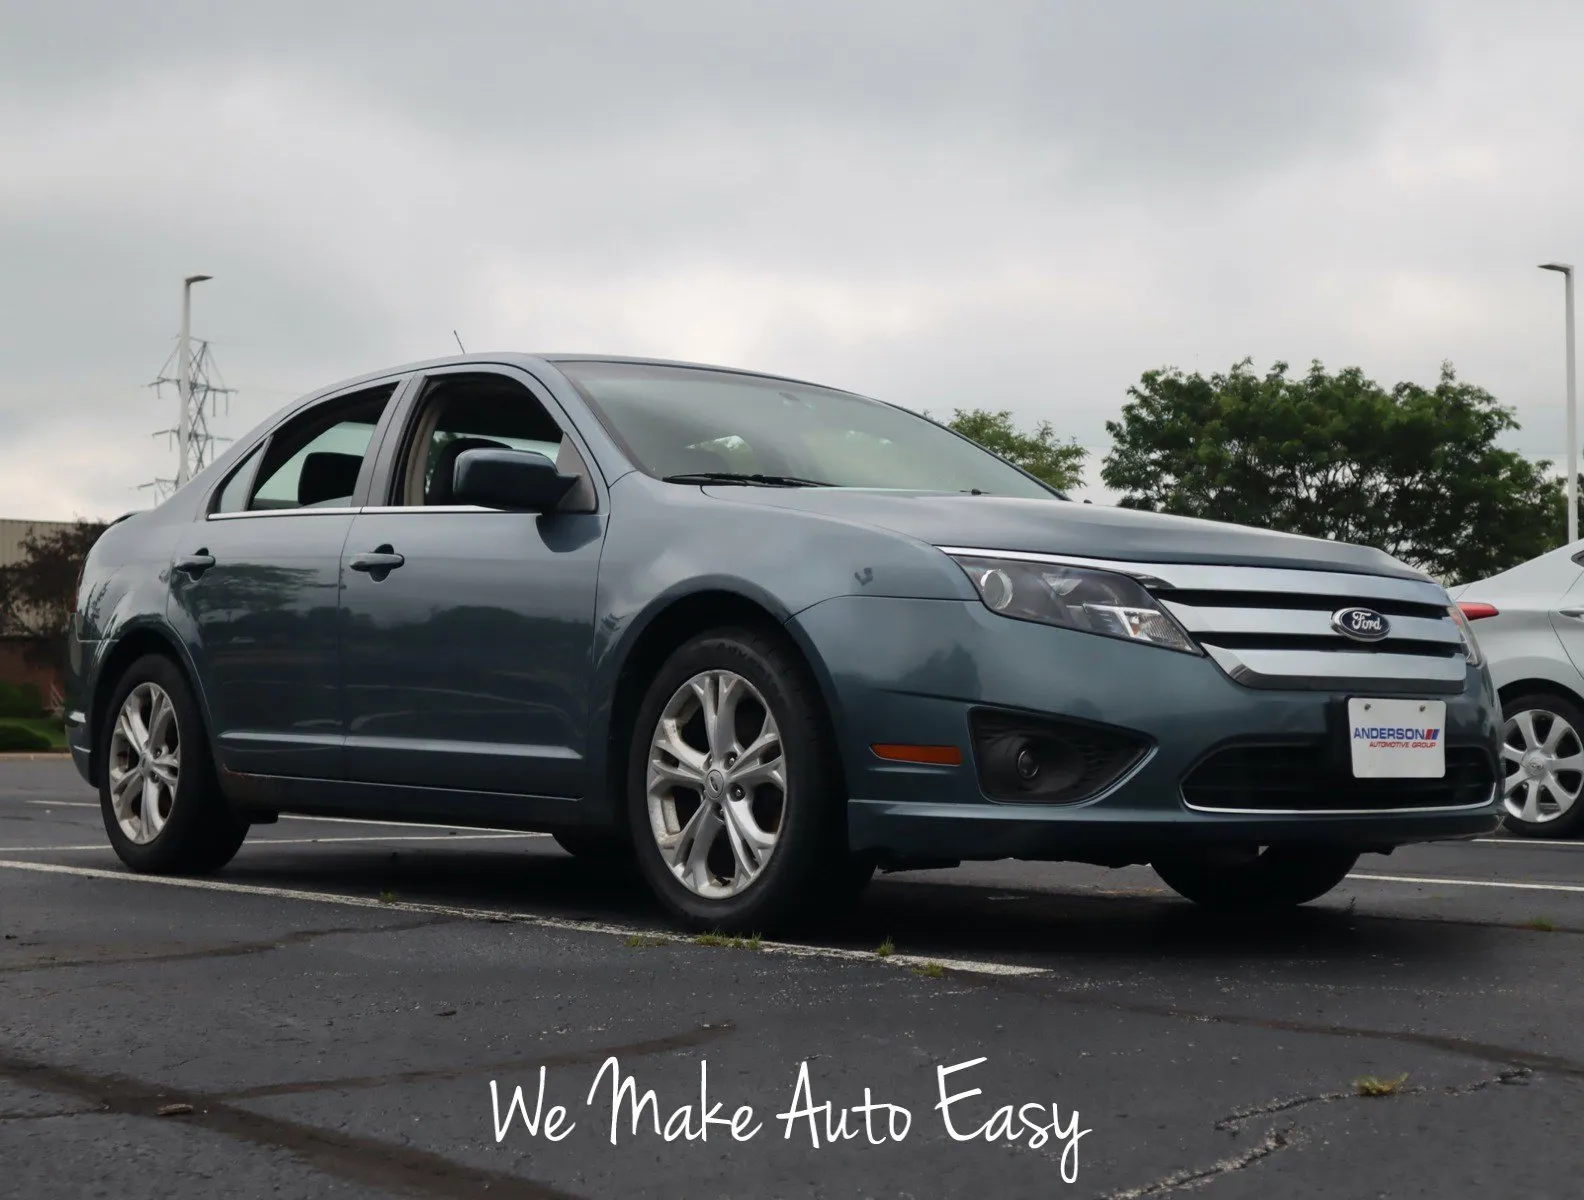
(1484, 883)
(395, 824)
(1509, 842)
(378, 837)
(520, 918)
(300, 816)
(397, 837)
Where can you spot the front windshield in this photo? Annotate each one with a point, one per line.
(684, 421)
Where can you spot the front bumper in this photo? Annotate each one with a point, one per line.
(77, 741)
(911, 671)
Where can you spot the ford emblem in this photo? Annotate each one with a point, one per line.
(1360, 624)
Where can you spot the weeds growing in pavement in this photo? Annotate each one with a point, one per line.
(642, 941)
(1541, 925)
(727, 941)
(886, 948)
(1369, 1085)
(930, 970)
(387, 897)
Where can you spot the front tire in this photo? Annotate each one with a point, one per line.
(734, 797)
(158, 792)
(1257, 878)
(1542, 762)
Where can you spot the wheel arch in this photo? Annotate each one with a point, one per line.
(668, 625)
(1538, 686)
(128, 647)
(1564, 824)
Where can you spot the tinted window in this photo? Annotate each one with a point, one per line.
(234, 496)
(313, 462)
(681, 420)
(461, 413)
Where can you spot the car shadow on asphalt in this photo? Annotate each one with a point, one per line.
(920, 913)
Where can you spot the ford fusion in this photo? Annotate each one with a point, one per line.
(758, 637)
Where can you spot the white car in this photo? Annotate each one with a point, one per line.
(1530, 625)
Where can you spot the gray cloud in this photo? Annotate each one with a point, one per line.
(1132, 88)
(1015, 204)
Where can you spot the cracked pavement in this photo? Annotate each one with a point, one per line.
(333, 1012)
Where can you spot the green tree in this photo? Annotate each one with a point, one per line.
(1058, 463)
(1414, 471)
(37, 593)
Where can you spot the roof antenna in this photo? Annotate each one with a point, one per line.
(460, 346)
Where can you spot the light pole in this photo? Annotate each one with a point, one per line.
(1572, 406)
(184, 374)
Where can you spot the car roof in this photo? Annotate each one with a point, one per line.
(524, 359)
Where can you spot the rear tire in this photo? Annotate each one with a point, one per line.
(733, 788)
(1539, 732)
(1260, 878)
(158, 791)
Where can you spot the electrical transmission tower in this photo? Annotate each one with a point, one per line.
(194, 443)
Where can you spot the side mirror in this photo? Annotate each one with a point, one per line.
(517, 480)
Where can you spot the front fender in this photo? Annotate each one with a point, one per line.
(779, 561)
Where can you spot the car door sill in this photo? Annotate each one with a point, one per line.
(400, 802)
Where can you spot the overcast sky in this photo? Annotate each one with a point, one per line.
(1014, 204)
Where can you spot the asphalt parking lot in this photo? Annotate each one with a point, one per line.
(328, 1016)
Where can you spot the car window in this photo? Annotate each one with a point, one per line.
(686, 421)
(461, 413)
(314, 460)
(234, 496)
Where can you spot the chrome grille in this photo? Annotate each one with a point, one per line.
(1272, 628)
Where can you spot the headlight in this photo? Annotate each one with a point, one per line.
(1074, 598)
(1470, 643)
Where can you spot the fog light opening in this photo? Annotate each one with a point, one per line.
(1034, 760)
(1028, 764)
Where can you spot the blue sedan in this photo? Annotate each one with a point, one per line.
(757, 637)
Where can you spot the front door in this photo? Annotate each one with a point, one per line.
(255, 588)
(466, 632)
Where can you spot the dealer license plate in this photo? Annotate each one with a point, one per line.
(1397, 739)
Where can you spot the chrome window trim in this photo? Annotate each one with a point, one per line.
(388, 509)
(371, 510)
(1215, 577)
(309, 511)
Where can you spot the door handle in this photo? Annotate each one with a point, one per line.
(195, 565)
(1577, 613)
(376, 563)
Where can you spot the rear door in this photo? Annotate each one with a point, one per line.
(466, 664)
(255, 588)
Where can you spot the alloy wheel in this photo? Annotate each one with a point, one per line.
(717, 784)
(145, 762)
(1544, 760)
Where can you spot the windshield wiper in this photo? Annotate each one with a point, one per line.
(739, 477)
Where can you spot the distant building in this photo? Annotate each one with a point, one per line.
(19, 659)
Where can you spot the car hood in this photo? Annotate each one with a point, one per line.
(1062, 527)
